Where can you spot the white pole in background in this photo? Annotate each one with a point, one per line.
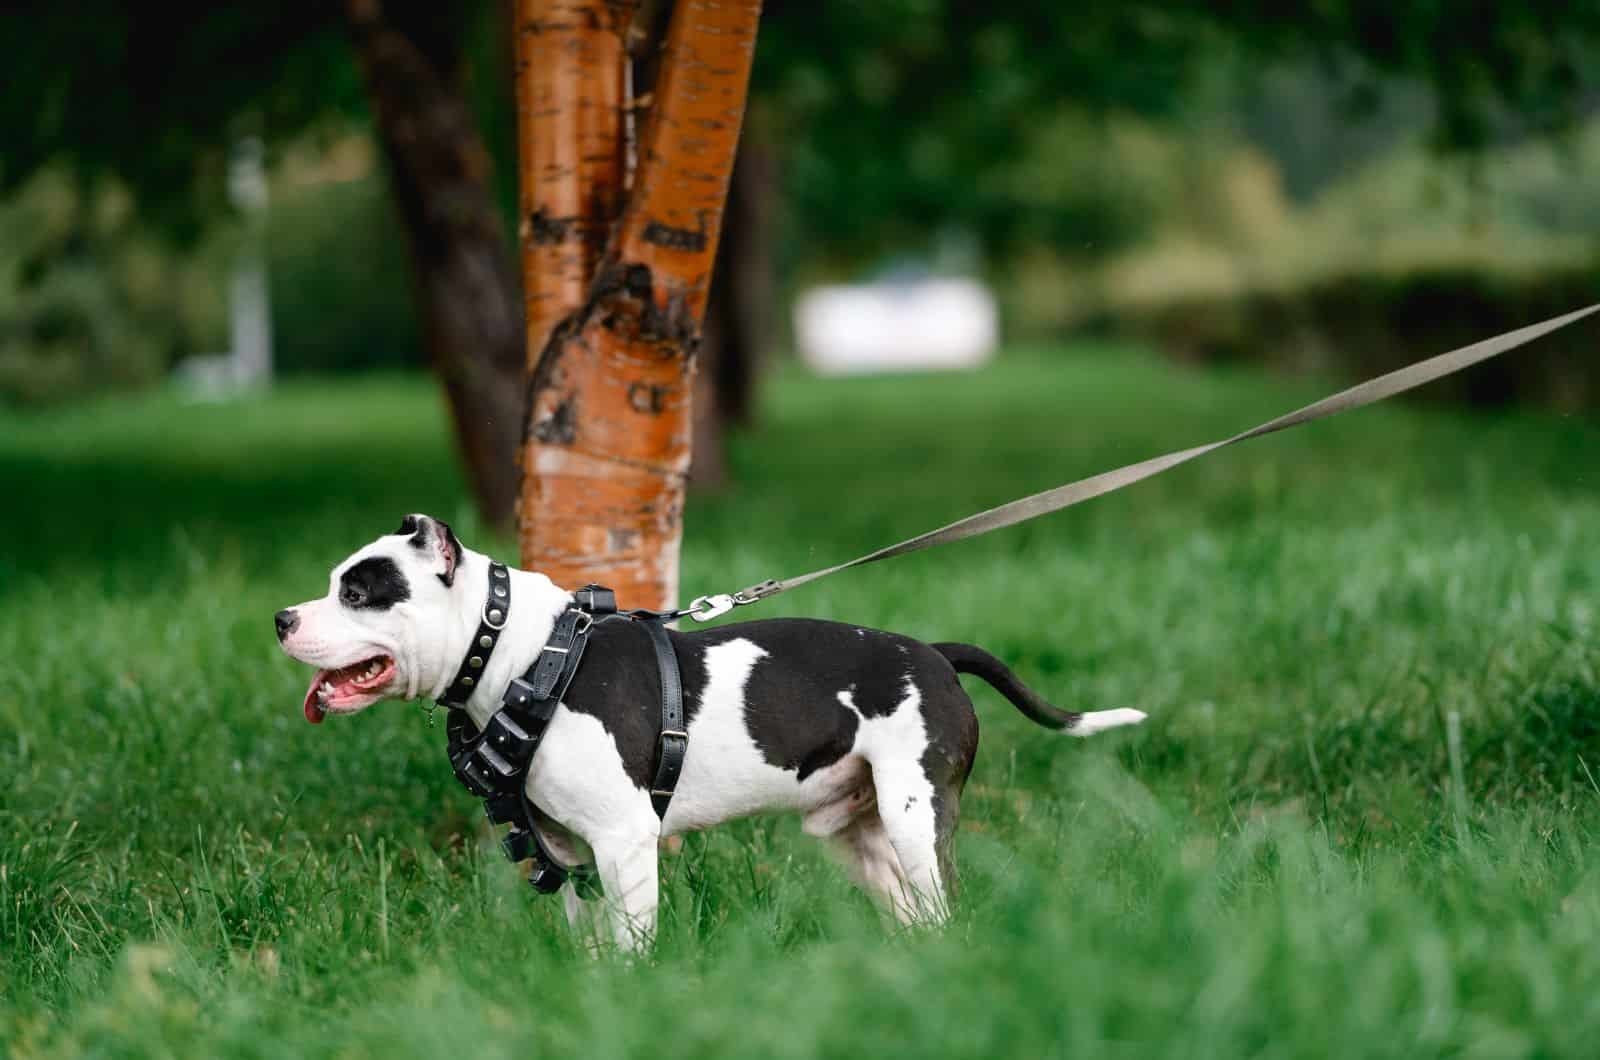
(249, 305)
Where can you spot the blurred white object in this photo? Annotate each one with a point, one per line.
(248, 362)
(207, 377)
(896, 326)
(249, 307)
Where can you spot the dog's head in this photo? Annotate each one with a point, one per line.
(384, 628)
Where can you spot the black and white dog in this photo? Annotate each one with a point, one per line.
(868, 735)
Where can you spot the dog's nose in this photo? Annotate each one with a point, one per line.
(286, 621)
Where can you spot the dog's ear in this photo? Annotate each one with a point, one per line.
(434, 536)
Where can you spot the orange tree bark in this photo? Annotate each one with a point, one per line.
(466, 282)
(572, 67)
(610, 402)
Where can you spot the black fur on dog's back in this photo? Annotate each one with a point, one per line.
(792, 708)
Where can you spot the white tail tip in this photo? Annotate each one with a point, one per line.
(1101, 720)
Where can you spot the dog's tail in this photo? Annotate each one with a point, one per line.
(969, 659)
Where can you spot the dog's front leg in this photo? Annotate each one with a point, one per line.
(579, 779)
(629, 872)
(586, 917)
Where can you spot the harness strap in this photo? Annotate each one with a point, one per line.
(553, 670)
(673, 743)
(492, 763)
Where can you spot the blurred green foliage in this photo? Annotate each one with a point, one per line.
(896, 118)
(1513, 227)
(340, 279)
(90, 299)
(1368, 321)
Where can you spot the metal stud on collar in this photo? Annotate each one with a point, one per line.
(496, 609)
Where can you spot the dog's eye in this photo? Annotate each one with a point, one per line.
(374, 584)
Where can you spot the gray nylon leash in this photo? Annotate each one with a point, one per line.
(1372, 391)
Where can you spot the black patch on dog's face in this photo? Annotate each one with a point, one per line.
(374, 584)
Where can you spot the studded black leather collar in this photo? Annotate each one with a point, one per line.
(496, 613)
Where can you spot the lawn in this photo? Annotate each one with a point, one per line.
(1286, 860)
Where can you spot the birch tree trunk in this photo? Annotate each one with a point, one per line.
(608, 432)
(571, 73)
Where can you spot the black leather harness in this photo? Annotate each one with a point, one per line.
(493, 763)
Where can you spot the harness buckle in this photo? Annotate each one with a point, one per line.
(596, 599)
(705, 608)
(661, 754)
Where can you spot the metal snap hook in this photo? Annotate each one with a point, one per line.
(705, 608)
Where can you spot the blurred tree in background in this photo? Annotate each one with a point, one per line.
(93, 300)
(1095, 162)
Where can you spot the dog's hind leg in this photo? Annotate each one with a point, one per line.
(946, 813)
(864, 848)
(910, 820)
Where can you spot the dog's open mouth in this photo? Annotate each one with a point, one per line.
(348, 688)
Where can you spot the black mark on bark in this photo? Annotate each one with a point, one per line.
(650, 398)
(625, 297)
(560, 427)
(545, 230)
(691, 239)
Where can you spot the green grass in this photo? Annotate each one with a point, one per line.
(1277, 864)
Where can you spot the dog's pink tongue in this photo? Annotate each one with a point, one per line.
(315, 711)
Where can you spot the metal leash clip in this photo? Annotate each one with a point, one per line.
(705, 608)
